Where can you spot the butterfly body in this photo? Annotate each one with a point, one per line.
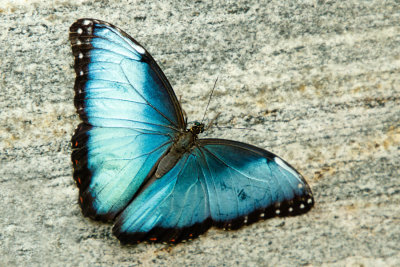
(184, 143)
(137, 164)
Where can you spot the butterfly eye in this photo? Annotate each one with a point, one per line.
(197, 128)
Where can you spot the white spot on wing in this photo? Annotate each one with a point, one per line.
(79, 31)
(80, 55)
(78, 42)
(301, 206)
(262, 215)
(277, 211)
(81, 73)
(290, 209)
(309, 201)
(139, 49)
(86, 22)
(286, 167)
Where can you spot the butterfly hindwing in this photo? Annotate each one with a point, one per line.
(171, 209)
(130, 116)
(223, 183)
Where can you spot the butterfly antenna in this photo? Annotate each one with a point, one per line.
(209, 100)
(210, 124)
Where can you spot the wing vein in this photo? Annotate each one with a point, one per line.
(162, 114)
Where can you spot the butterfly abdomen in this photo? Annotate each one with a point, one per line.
(183, 144)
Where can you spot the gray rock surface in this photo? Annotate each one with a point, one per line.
(316, 82)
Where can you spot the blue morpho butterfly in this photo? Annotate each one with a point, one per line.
(135, 161)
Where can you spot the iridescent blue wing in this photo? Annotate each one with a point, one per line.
(130, 116)
(223, 183)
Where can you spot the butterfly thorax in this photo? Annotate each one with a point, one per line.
(184, 142)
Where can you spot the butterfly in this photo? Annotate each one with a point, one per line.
(137, 163)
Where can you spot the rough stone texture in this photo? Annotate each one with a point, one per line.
(316, 82)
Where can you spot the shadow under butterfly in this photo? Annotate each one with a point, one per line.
(136, 162)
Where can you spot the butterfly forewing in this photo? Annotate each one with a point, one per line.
(130, 116)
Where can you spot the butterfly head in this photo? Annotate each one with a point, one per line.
(197, 128)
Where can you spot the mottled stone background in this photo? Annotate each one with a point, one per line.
(316, 82)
